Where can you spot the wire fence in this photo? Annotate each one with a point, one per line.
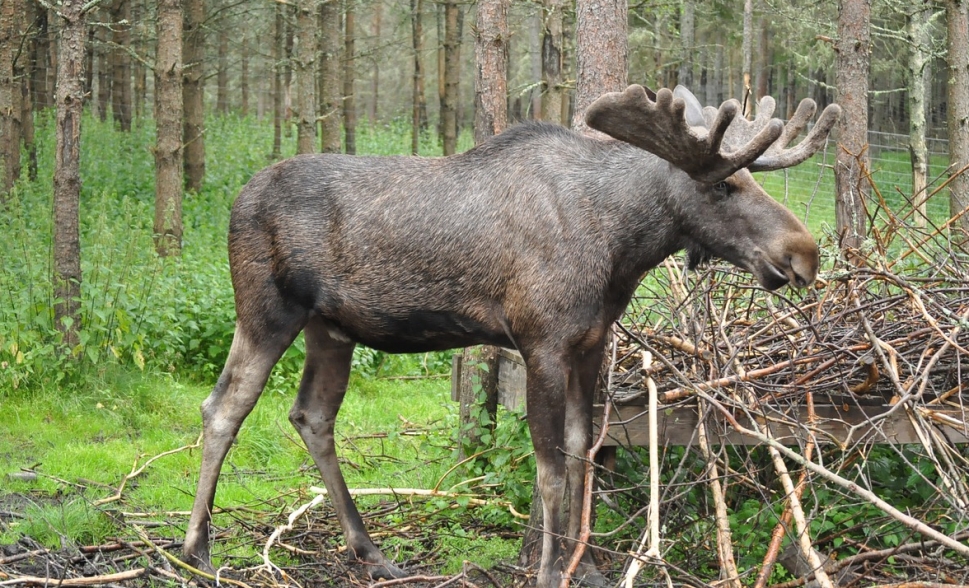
(809, 189)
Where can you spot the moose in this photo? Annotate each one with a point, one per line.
(534, 240)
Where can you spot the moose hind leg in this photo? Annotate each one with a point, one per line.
(321, 393)
(578, 440)
(251, 359)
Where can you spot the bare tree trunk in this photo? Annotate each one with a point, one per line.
(453, 23)
(687, 27)
(244, 76)
(193, 94)
(279, 40)
(491, 67)
(222, 73)
(553, 52)
(764, 60)
(349, 76)
(103, 70)
(11, 110)
(138, 69)
(747, 49)
(41, 56)
(418, 101)
(535, 28)
(957, 17)
(918, 37)
(168, 124)
(305, 83)
(854, 62)
(331, 99)
(601, 53)
(67, 176)
(121, 64)
(375, 75)
(288, 57)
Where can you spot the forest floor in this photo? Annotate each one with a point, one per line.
(311, 554)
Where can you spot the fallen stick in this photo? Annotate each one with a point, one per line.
(86, 581)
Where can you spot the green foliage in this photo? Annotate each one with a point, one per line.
(56, 525)
(170, 315)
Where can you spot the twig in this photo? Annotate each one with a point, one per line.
(136, 471)
(86, 581)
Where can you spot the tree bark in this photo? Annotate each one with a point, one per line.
(918, 38)
(553, 51)
(453, 23)
(957, 18)
(687, 26)
(747, 51)
(244, 76)
(601, 53)
(349, 77)
(418, 101)
(375, 72)
(102, 65)
(121, 64)
(491, 67)
(67, 176)
(11, 111)
(193, 94)
(331, 99)
(222, 71)
(279, 40)
(41, 55)
(168, 124)
(854, 62)
(305, 60)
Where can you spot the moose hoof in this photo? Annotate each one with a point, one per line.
(588, 575)
(377, 564)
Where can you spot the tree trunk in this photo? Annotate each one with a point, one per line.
(687, 26)
(491, 67)
(349, 76)
(305, 84)
(222, 73)
(601, 53)
(854, 62)
(193, 94)
(41, 54)
(957, 17)
(103, 71)
(553, 51)
(138, 69)
(918, 38)
(418, 102)
(67, 176)
(765, 60)
(375, 72)
(747, 50)
(331, 98)
(244, 76)
(168, 124)
(279, 40)
(453, 23)
(478, 389)
(121, 64)
(10, 95)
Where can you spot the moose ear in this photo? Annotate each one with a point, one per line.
(694, 110)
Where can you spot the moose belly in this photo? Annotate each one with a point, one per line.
(418, 331)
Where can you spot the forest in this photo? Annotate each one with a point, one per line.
(810, 437)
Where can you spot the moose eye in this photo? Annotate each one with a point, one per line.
(721, 189)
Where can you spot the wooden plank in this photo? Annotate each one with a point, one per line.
(677, 425)
(511, 380)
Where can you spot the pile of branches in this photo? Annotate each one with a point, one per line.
(885, 333)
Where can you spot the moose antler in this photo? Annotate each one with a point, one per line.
(711, 144)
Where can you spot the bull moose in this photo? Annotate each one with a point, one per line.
(534, 240)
